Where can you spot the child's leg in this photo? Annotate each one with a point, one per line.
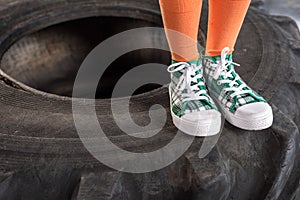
(182, 16)
(240, 105)
(192, 110)
(224, 24)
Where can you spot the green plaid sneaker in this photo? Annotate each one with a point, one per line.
(240, 105)
(193, 110)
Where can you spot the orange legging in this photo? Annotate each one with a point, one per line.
(224, 24)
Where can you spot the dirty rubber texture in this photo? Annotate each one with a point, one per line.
(42, 157)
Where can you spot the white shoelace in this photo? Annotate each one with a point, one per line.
(189, 75)
(221, 69)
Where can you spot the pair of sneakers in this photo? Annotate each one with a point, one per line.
(201, 90)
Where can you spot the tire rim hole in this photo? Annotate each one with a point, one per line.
(48, 60)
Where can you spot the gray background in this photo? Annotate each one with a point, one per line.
(284, 7)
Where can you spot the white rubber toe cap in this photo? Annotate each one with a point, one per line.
(253, 116)
(201, 123)
(201, 117)
(253, 110)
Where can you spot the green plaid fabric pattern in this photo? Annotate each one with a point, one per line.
(179, 104)
(217, 90)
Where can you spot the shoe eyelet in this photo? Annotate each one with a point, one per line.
(219, 83)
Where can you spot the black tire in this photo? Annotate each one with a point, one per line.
(43, 158)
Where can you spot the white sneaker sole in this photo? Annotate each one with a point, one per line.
(261, 122)
(200, 128)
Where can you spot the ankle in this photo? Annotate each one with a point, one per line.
(194, 62)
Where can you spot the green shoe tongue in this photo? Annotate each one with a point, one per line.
(215, 59)
(192, 62)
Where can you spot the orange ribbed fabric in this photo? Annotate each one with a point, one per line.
(224, 24)
(182, 16)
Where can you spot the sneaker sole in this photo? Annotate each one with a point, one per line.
(259, 123)
(201, 128)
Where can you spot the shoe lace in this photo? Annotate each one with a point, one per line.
(189, 81)
(222, 69)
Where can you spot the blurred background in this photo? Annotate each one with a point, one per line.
(284, 7)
